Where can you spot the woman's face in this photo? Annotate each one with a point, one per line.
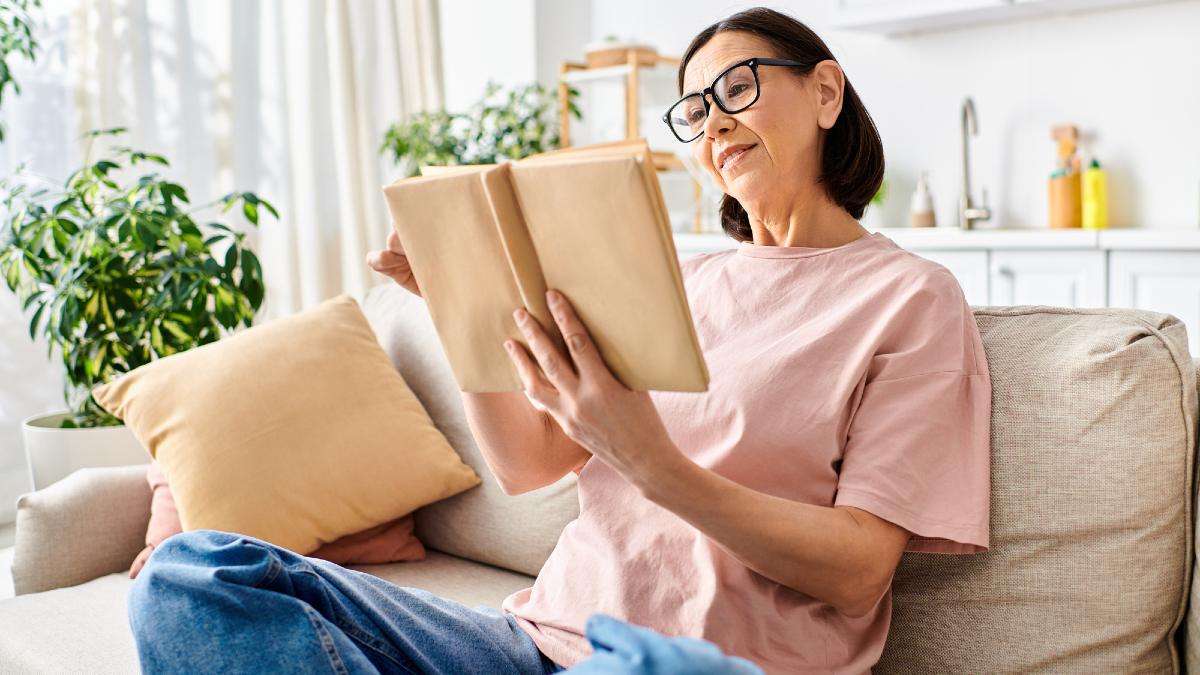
(779, 135)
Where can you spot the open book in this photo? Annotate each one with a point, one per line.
(590, 222)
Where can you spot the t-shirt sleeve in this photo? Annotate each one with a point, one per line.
(918, 447)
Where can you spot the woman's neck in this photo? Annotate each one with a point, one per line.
(811, 223)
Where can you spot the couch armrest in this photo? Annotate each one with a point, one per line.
(85, 526)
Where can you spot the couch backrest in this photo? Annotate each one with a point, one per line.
(1190, 631)
(483, 523)
(1093, 445)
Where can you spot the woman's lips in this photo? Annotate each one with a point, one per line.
(736, 158)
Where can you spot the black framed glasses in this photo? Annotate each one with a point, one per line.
(734, 90)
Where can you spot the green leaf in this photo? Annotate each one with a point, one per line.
(115, 131)
(33, 297)
(250, 264)
(13, 276)
(66, 225)
(93, 305)
(174, 191)
(176, 330)
(156, 340)
(33, 323)
(96, 361)
(250, 211)
(213, 268)
(267, 205)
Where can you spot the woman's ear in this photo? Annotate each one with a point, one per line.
(830, 81)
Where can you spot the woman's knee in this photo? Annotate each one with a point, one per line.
(187, 566)
(194, 546)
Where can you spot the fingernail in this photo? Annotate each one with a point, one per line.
(553, 296)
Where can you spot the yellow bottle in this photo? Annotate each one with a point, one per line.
(1095, 198)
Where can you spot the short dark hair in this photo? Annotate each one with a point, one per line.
(852, 156)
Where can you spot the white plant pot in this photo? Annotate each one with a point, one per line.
(54, 453)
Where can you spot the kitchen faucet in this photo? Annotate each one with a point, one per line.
(968, 214)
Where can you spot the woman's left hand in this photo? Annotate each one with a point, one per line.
(617, 424)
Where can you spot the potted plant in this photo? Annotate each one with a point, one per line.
(505, 124)
(118, 274)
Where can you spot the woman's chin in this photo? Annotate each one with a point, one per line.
(744, 189)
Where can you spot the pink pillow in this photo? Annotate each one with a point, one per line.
(392, 541)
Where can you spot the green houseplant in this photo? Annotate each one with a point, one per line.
(507, 123)
(120, 273)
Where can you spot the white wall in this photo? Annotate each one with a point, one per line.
(484, 41)
(1129, 78)
(563, 27)
(513, 42)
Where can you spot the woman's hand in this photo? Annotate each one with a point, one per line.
(593, 408)
(140, 561)
(391, 262)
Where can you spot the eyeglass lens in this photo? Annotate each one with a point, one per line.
(734, 91)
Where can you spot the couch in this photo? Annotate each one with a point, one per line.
(1093, 486)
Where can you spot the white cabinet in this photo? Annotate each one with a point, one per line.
(901, 17)
(898, 17)
(969, 267)
(1160, 281)
(1058, 278)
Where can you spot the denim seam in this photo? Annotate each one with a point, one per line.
(366, 639)
(335, 659)
(272, 571)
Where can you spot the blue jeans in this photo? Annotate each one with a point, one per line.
(210, 601)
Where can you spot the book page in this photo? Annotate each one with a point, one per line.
(599, 234)
(446, 227)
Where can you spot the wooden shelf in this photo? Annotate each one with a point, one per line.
(666, 161)
(614, 73)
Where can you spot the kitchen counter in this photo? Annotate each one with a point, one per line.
(952, 238)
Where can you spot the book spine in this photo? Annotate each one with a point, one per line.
(518, 248)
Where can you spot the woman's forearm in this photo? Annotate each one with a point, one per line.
(831, 554)
(518, 441)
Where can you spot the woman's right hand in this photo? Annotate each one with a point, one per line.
(391, 262)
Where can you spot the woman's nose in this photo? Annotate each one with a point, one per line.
(718, 122)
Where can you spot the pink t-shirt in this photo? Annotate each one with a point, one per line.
(845, 376)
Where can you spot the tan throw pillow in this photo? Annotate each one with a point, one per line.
(297, 431)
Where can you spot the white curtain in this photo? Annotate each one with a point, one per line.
(285, 98)
(288, 99)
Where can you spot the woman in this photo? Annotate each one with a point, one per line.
(847, 420)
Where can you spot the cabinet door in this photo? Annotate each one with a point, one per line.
(969, 267)
(1067, 278)
(1160, 281)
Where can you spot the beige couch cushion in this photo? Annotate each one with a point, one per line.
(483, 524)
(1093, 426)
(90, 523)
(85, 628)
